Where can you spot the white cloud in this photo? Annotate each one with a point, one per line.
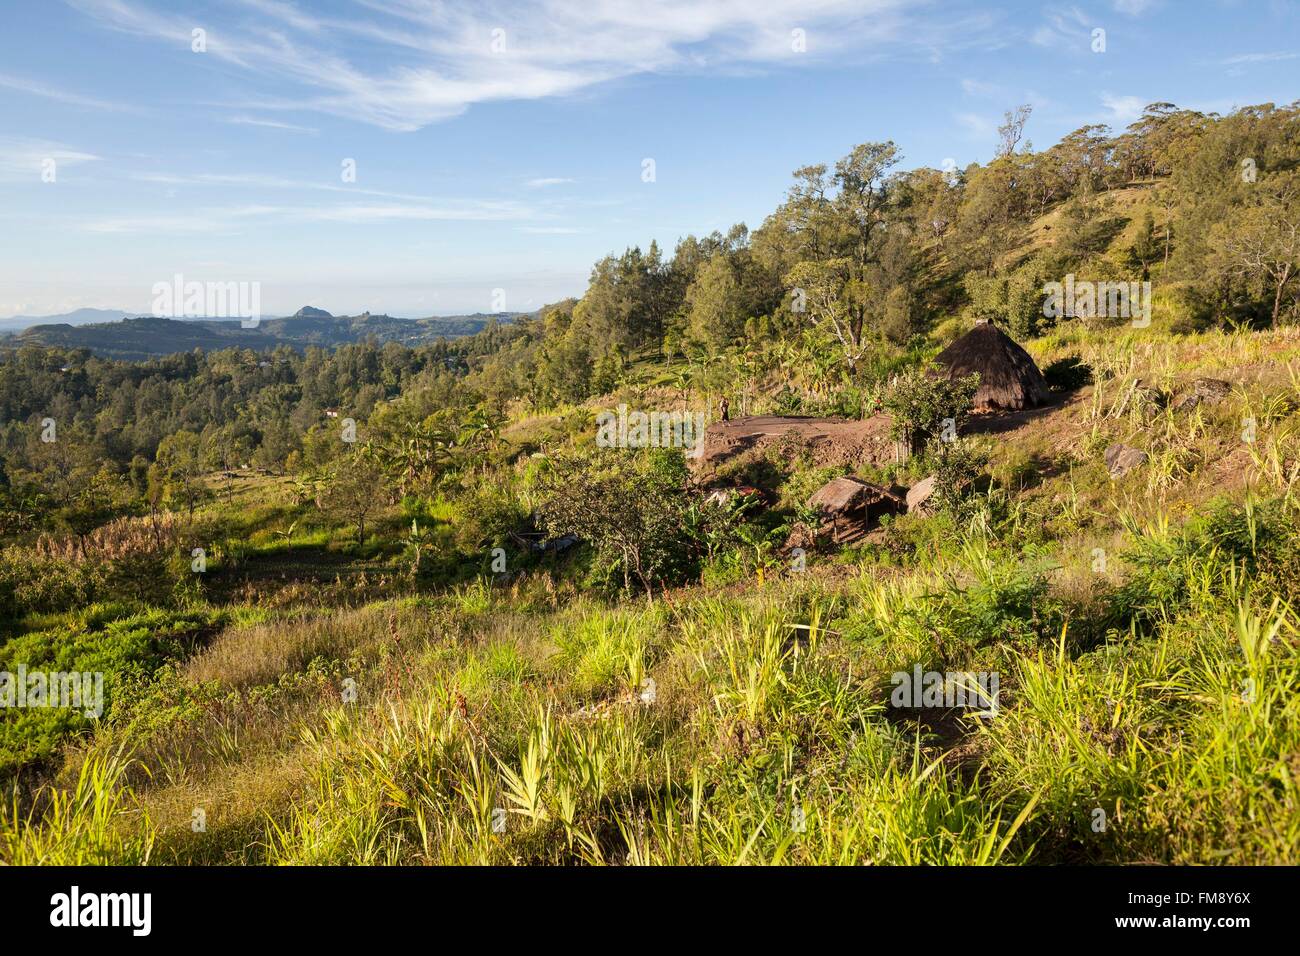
(483, 211)
(1123, 109)
(231, 219)
(215, 220)
(1043, 36)
(976, 125)
(1066, 28)
(1133, 8)
(271, 124)
(548, 181)
(62, 96)
(24, 159)
(263, 181)
(440, 59)
(980, 88)
(551, 230)
(1258, 58)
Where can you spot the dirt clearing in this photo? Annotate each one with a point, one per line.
(830, 441)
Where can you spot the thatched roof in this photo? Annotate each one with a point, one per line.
(1008, 376)
(842, 494)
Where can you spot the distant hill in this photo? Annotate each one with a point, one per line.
(151, 336)
(79, 317)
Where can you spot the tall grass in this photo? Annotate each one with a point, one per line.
(97, 822)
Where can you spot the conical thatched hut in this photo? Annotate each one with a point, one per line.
(1008, 376)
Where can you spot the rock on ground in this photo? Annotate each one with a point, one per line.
(1206, 391)
(920, 493)
(1121, 459)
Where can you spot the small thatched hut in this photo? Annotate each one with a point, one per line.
(851, 504)
(1008, 376)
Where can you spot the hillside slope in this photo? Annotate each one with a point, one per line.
(1141, 628)
(146, 337)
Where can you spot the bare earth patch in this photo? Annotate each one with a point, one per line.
(830, 441)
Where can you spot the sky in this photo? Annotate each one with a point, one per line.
(424, 158)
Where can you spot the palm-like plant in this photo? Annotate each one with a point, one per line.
(418, 457)
(414, 545)
(480, 433)
(682, 380)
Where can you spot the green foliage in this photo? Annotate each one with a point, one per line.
(1013, 301)
(1067, 374)
(958, 465)
(922, 399)
(687, 724)
(94, 824)
(352, 493)
(119, 642)
(628, 506)
(604, 652)
(488, 514)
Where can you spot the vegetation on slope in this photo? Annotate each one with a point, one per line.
(350, 673)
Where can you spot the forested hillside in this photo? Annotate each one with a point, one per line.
(388, 603)
(152, 336)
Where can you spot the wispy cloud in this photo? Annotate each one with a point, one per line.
(551, 230)
(35, 88)
(1133, 8)
(980, 88)
(271, 124)
(440, 59)
(1258, 58)
(232, 219)
(548, 181)
(978, 126)
(205, 221)
(25, 159)
(263, 181)
(451, 211)
(1066, 28)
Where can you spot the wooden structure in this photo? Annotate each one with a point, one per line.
(850, 506)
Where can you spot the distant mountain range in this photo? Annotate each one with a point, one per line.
(124, 337)
(17, 323)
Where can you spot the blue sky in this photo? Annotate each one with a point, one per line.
(501, 145)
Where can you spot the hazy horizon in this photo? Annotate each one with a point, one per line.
(232, 318)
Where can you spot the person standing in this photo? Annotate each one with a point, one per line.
(726, 409)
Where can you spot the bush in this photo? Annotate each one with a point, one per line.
(118, 641)
(922, 399)
(29, 583)
(629, 507)
(487, 516)
(957, 466)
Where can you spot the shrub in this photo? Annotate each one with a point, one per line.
(630, 507)
(957, 467)
(118, 641)
(1068, 374)
(922, 399)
